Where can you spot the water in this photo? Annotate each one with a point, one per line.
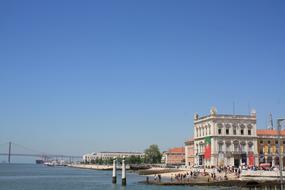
(39, 177)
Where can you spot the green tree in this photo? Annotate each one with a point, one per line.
(152, 154)
(134, 160)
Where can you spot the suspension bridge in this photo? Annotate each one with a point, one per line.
(28, 152)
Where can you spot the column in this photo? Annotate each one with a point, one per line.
(114, 176)
(124, 179)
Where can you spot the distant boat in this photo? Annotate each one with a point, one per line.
(49, 164)
(39, 161)
(55, 163)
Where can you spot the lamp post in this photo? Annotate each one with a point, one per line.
(279, 125)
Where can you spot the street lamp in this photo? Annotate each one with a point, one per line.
(279, 125)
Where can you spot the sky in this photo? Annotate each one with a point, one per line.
(88, 76)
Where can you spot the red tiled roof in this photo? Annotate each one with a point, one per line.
(269, 132)
(177, 150)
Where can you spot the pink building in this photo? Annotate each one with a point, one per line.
(175, 156)
(189, 153)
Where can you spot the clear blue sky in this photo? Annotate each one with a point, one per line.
(83, 76)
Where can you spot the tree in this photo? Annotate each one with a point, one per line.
(134, 160)
(152, 154)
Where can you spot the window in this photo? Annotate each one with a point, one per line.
(236, 148)
(219, 131)
(227, 131)
(235, 131)
(220, 147)
(249, 132)
(276, 142)
(228, 146)
(241, 131)
(261, 142)
(250, 147)
(243, 147)
(268, 142)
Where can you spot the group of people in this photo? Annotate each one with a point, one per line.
(212, 174)
(157, 177)
(183, 176)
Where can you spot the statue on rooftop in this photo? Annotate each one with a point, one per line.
(213, 111)
(196, 116)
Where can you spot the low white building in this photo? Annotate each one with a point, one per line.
(89, 157)
(110, 155)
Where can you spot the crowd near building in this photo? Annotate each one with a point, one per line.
(110, 155)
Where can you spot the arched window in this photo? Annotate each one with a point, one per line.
(220, 128)
(242, 129)
(250, 147)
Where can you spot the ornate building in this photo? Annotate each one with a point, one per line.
(268, 146)
(225, 140)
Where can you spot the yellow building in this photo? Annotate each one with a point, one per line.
(268, 146)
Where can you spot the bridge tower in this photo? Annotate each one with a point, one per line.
(9, 153)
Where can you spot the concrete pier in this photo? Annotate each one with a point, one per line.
(124, 179)
(114, 176)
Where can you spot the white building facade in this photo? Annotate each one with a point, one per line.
(89, 157)
(110, 155)
(225, 140)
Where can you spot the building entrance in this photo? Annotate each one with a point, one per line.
(244, 159)
(201, 160)
(236, 162)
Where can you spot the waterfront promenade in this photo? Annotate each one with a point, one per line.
(200, 177)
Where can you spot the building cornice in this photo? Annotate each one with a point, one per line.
(225, 117)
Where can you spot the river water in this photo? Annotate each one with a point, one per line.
(40, 177)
